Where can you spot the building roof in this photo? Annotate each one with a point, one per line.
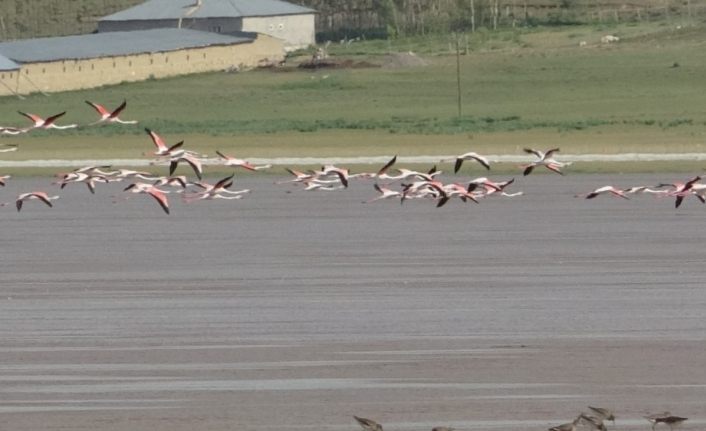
(112, 44)
(7, 64)
(175, 9)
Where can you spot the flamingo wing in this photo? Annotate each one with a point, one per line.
(118, 110)
(100, 108)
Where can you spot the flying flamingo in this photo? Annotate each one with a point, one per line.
(4, 178)
(48, 123)
(12, 130)
(82, 177)
(232, 161)
(149, 189)
(109, 116)
(604, 190)
(162, 148)
(193, 161)
(8, 148)
(42, 196)
(544, 159)
(681, 190)
(469, 156)
(385, 193)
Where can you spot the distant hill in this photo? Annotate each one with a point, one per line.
(21, 19)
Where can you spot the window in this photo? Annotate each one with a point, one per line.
(272, 27)
(166, 59)
(281, 26)
(216, 29)
(93, 66)
(44, 70)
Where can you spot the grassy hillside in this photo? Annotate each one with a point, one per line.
(524, 87)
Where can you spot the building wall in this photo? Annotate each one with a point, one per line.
(8, 81)
(78, 74)
(297, 31)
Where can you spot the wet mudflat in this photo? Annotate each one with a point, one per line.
(297, 310)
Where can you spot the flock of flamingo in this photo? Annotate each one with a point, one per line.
(413, 184)
(593, 421)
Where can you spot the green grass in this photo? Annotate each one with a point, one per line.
(520, 88)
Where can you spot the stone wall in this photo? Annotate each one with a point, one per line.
(297, 31)
(78, 74)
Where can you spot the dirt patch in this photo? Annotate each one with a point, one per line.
(403, 59)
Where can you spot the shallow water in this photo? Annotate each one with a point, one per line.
(312, 307)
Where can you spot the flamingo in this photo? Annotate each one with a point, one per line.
(82, 177)
(232, 161)
(381, 171)
(603, 190)
(149, 189)
(341, 173)
(12, 130)
(643, 189)
(385, 193)
(48, 123)
(368, 424)
(681, 190)
(109, 116)
(162, 148)
(42, 196)
(544, 159)
(4, 178)
(8, 148)
(469, 156)
(193, 161)
(404, 174)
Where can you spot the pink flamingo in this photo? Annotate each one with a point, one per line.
(109, 116)
(149, 189)
(232, 161)
(41, 196)
(605, 190)
(48, 123)
(544, 159)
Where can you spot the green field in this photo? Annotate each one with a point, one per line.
(530, 87)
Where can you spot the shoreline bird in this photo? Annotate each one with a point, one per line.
(109, 116)
(3, 179)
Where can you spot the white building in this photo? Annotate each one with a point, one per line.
(292, 23)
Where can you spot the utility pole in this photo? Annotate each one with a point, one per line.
(458, 73)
